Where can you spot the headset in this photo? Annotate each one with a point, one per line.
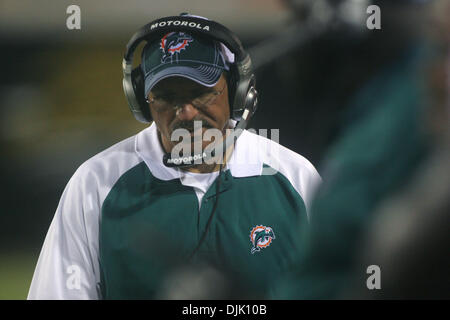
(242, 89)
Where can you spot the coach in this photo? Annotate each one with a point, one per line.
(134, 215)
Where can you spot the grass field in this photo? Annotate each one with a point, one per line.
(16, 271)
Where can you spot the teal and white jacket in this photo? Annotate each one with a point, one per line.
(126, 223)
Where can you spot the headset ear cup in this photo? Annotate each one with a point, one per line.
(251, 101)
(137, 79)
(232, 80)
(243, 92)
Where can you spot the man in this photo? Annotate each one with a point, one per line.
(127, 225)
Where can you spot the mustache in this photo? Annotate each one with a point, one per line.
(189, 125)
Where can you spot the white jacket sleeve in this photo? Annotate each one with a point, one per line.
(68, 266)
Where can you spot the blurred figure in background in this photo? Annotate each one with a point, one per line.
(409, 238)
(389, 145)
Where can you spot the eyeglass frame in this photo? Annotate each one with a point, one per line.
(214, 95)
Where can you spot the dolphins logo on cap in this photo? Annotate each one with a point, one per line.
(173, 43)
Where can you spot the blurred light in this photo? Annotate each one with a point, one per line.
(194, 283)
(353, 12)
(111, 19)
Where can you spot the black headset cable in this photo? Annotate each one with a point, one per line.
(212, 214)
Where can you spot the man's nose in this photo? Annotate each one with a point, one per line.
(186, 112)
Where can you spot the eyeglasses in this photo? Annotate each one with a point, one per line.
(166, 102)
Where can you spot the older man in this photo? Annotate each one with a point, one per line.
(129, 225)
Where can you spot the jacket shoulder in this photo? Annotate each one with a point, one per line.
(300, 172)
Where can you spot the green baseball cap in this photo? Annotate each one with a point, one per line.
(179, 54)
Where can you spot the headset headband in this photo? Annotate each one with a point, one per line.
(198, 26)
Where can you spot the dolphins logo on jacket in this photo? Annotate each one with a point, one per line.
(173, 43)
(261, 237)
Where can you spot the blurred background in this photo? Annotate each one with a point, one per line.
(61, 98)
